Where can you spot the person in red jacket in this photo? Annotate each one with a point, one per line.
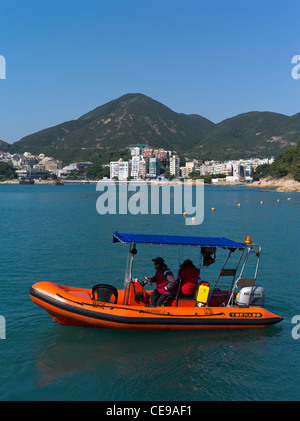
(189, 276)
(165, 283)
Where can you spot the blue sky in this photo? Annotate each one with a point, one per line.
(216, 58)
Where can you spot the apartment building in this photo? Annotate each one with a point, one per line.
(120, 169)
(154, 167)
(135, 166)
(175, 166)
(188, 169)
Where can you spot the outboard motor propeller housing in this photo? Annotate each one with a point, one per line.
(257, 296)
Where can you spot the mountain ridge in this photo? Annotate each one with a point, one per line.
(137, 118)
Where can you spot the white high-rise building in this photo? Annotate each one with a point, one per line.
(114, 169)
(136, 151)
(175, 165)
(124, 169)
(135, 166)
(120, 169)
(237, 170)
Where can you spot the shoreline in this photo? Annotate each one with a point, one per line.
(286, 184)
(161, 182)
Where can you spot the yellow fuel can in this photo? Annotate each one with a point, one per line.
(202, 294)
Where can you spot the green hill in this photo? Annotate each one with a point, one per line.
(136, 118)
(4, 147)
(133, 118)
(253, 134)
(286, 164)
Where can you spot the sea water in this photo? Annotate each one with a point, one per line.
(55, 233)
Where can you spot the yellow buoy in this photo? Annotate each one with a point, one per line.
(184, 214)
(248, 240)
(277, 200)
(289, 198)
(212, 209)
(239, 204)
(261, 202)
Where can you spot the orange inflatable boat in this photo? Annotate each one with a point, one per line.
(103, 306)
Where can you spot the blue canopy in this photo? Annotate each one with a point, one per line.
(176, 240)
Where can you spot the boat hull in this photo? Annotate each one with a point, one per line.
(74, 306)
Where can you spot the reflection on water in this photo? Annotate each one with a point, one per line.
(188, 364)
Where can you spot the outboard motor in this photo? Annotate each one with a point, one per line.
(257, 296)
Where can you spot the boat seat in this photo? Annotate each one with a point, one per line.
(104, 293)
(177, 290)
(187, 297)
(178, 294)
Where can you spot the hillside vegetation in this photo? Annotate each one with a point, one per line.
(7, 172)
(286, 164)
(138, 119)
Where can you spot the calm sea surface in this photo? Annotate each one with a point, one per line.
(54, 233)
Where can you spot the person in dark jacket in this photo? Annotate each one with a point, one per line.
(189, 276)
(165, 283)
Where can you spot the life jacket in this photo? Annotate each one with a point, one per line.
(162, 281)
(189, 278)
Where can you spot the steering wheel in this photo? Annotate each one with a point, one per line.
(145, 281)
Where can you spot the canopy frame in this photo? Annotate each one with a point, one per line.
(181, 241)
(176, 240)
